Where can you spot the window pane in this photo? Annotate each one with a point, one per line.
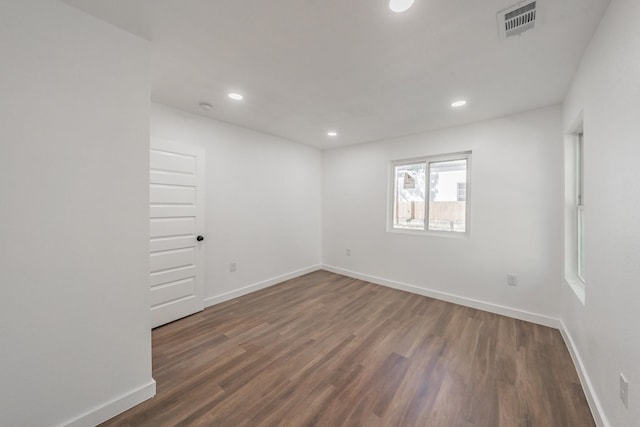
(580, 204)
(408, 209)
(448, 195)
(580, 169)
(581, 243)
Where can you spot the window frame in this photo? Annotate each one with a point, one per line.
(391, 199)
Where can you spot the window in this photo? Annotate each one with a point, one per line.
(431, 194)
(580, 204)
(574, 214)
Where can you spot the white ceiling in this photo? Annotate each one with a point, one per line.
(308, 66)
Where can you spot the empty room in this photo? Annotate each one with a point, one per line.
(320, 213)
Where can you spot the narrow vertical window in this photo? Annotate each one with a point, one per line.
(431, 194)
(580, 205)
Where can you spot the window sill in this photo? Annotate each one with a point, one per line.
(446, 234)
(578, 288)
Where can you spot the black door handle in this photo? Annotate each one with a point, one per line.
(200, 238)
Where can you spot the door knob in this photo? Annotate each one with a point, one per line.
(200, 238)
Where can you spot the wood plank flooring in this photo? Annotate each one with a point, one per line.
(327, 350)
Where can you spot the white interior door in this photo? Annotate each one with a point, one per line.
(176, 197)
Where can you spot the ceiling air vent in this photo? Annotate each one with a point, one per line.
(517, 19)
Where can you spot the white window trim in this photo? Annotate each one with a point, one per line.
(463, 155)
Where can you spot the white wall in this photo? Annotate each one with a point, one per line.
(74, 311)
(516, 194)
(605, 329)
(263, 202)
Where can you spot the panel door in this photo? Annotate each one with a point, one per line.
(176, 211)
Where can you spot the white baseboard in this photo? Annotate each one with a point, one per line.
(116, 406)
(589, 392)
(455, 299)
(217, 299)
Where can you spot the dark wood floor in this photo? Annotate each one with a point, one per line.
(327, 350)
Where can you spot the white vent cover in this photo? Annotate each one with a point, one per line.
(518, 18)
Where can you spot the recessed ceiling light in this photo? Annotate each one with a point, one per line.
(236, 96)
(205, 106)
(459, 103)
(400, 5)
(332, 133)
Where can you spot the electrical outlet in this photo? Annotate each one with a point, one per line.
(348, 252)
(232, 267)
(624, 391)
(512, 280)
